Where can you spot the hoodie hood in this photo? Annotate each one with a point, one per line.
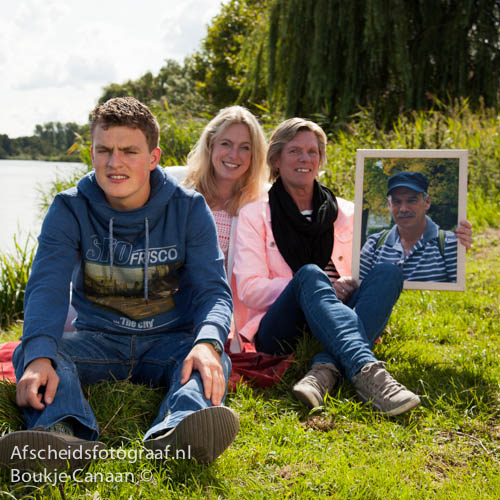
(129, 223)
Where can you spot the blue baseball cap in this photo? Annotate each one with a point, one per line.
(412, 180)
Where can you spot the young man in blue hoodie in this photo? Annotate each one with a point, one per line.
(153, 305)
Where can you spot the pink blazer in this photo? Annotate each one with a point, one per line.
(259, 270)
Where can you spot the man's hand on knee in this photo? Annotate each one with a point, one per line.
(39, 373)
(204, 359)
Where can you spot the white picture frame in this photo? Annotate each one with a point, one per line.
(375, 165)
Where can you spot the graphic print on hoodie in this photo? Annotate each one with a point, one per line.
(129, 286)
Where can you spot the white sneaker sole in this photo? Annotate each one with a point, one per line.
(408, 405)
(305, 395)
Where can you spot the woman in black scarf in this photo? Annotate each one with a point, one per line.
(292, 268)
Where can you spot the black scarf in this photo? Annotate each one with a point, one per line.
(299, 240)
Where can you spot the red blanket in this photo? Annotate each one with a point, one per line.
(6, 368)
(258, 369)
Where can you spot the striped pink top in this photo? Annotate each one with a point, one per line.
(223, 224)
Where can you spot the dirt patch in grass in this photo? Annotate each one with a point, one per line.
(319, 423)
(287, 472)
(487, 243)
(440, 465)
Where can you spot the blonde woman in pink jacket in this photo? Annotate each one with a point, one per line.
(228, 167)
(292, 268)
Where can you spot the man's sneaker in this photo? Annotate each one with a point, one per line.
(374, 384)
(202, 435)
(46, 450)
(318, 381)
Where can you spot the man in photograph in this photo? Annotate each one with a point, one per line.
(415, 243)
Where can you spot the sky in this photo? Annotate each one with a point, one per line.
(57, 55)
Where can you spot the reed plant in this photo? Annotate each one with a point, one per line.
(60, 183)
(15, 268)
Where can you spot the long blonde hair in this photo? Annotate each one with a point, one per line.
(201, 174)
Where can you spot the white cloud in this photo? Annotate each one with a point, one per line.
(67, 104)
(90, 69)
(39, 15)
(75, 71)
(57, 55)
(182, 34)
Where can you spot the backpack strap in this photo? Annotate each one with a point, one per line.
(441, 242)
(382, 238)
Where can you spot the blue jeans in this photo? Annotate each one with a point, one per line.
(89, 357)
(346, 332)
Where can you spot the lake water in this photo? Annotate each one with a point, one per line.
(20, 213)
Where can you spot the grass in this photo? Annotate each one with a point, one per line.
(14, 272)
(443, 345)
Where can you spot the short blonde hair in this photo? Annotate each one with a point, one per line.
(284, 133)
(201, 174)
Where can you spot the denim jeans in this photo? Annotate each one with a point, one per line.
(346, 332)
(89, 357)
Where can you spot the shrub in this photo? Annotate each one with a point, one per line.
(14, 272)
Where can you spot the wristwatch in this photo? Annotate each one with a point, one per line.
(215, 343)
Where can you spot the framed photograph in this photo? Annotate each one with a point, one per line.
(407, 207)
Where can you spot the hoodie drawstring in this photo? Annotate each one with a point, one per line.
(146, 256)
(111, 249)
(146, 259)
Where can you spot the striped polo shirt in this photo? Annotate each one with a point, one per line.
(423, 263)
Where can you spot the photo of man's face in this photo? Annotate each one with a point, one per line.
(408, 208)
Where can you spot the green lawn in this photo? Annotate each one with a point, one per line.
(443, 345)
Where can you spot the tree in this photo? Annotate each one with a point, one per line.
(172, 84)
(219, 68)
(5, 146)
(49, 141)
(142, 89)
(331, 56)
(216, 75)
(56, 137)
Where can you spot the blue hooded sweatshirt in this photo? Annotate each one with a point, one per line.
(155, 269)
